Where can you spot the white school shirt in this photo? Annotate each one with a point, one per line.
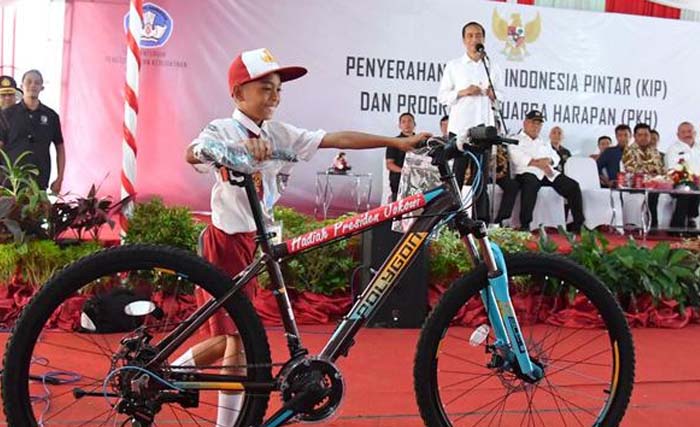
(528, 149)
(681, 150)
(230, 209)
(468, 111)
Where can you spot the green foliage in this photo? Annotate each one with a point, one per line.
(325, 270)
(18, 174)
(631, 270)
(24, 207)
(510, 240)
(661, 272)
(294, 222)
(153, 222)
(449, 257)
(591, 251)
(545, 244)
(27, 214)
(35, 261)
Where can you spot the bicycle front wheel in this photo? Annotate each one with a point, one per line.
(70, 362)
(573, 328)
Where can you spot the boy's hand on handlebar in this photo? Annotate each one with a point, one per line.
(407, 144)
(260, 149)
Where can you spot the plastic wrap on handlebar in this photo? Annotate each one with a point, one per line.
(237, 157)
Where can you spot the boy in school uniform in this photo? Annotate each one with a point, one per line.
(255, 80)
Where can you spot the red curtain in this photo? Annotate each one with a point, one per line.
(642, 7)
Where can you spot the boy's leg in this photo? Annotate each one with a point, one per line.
(230, 403)
(232, 253)
(204, 353)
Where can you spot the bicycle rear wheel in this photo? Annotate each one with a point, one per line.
(49, 338)
(573, 329)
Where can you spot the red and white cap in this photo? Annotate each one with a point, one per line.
(255, 64)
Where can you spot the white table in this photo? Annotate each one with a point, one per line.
(361, 190)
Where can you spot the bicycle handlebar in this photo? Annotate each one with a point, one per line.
(479, 138)
(483, 136)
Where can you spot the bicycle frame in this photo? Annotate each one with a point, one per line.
(439, 205)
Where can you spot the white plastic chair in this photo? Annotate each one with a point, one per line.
(600, 205)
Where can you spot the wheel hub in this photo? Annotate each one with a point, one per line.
(505, 364)
(140, 395)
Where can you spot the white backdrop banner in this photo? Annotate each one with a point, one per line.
(369, 61)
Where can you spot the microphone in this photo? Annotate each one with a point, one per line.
(480, 49)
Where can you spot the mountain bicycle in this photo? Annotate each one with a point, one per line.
(481, 358)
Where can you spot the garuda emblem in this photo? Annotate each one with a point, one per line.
(516, 35)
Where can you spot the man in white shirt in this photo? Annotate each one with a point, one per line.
(686, 151)
(534, 164)
(465, 89)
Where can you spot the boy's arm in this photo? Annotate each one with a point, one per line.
(210, 131)
(259, 149)
(358, 141)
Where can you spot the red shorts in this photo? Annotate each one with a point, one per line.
(232, 253)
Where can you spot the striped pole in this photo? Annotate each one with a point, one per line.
(131, 108)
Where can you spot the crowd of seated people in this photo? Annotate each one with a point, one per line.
(535, 163)
(524, 168)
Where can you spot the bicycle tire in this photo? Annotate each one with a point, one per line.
(433, 408)
(15, 391)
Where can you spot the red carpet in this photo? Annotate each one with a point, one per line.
(379, 377)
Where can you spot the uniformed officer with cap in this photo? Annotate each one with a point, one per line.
(9, 93)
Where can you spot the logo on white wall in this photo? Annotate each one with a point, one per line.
(516, 35)
(157, 26)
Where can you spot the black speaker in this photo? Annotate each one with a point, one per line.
(407, 305)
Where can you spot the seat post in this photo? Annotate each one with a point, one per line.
(262, 236)
(294, 343)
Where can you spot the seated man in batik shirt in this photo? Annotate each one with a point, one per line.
(642, 157)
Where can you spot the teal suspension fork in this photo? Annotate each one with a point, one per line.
(499, 306)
